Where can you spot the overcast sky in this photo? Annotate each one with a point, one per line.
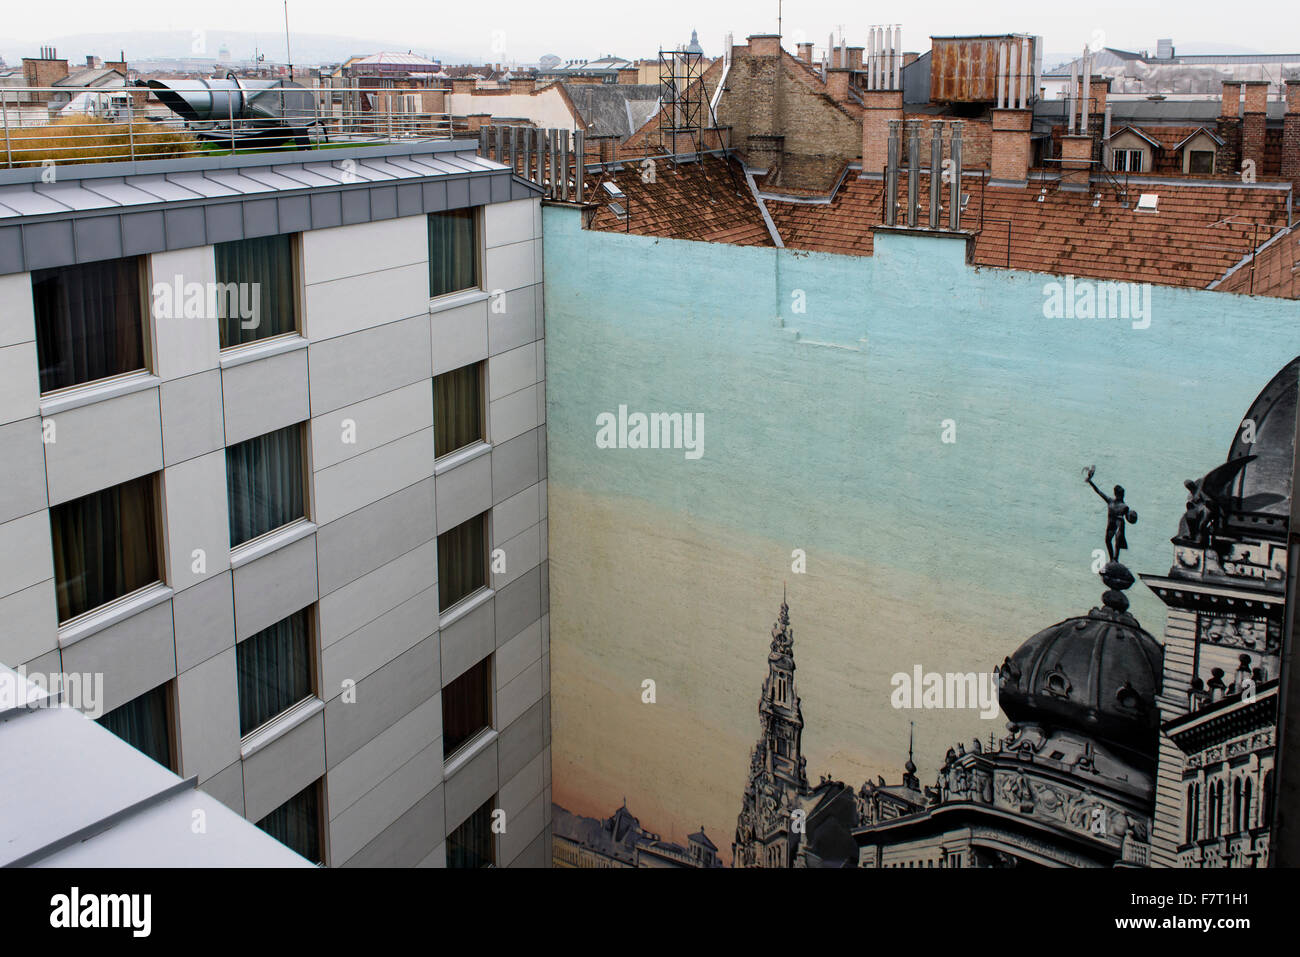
(523, 30)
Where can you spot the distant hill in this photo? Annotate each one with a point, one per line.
(308, 48)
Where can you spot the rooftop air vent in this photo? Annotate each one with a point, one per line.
(1147, 203)
(613, 190)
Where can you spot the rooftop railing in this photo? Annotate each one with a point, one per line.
(44, 126)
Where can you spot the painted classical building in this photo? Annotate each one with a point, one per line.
(1226, 595)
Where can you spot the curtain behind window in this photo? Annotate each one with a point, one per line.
(453, 252)
(472, 844)
(466, 706)
(268, 262)
(89, 324)
(274, 669)
(264, 483)
(296, 823)
(142, 723)
(457, 409)
(462, 561)
(105, 546)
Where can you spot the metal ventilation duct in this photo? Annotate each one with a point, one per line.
(201, 101)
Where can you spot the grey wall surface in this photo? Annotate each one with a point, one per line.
(365, 562)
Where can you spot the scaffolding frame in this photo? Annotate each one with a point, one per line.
(686, 114)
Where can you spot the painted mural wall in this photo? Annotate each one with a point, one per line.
(840, 575)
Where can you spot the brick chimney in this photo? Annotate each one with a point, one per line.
(1010, 148)
(629, 74)
(881, 107)
(764, 44)
(805, 52)
(837, 83)
(522, 84)
(476, 121)
(45, 69)
(855, 58)
(1291, 132)
(1227, 156)
(462, 84)
(1230, 105)
(1252, 123)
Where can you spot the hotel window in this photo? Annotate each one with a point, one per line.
(457, 409)
(256, 285)
(453, 251)
(264, 483)
(473, 843)
(105, 546)
(274, 670)
(89, 321)
(1201, 161)
(296, 823)
(145, 724)
(466, 706)
(1127, 161)
(462, 561)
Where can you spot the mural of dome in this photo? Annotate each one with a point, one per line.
(1264, 483)
(1097, 674)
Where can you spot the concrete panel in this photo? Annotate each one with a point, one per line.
(264, 395)
(515, 466)
(522, 553)
(467, 641)
(508, 372)
(518, 605)
(470, 786)
(348, 369)
(22, 469)
(367, 425)
(284, 767)
(198, 524)
(514, 415)
(382, 699)
(344, 611)
(207, 698)
(183, 345)
(515, 514)
(517, 654)
(227, 787)
(515, 322)
(511, 222)
(105, 444)
(364, 540)
(135, 655)
(537, 854)
(384, 803)
(359, 481)
(374, 645)
(204, 619)
(407, 841)
(18, 316)
(464, 491)
(376, 760)
(29, 624)
(521, 741)
(342, 306)
(274, 586)
(25, 552)
(193, 421)
(460, 336)
(520, 694)
(19, 382)
(512, 266)
(521, 789)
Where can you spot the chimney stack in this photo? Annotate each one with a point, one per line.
(1231, 103)
(805, 52)
(883, 96)
(1252, 123)
(764, 44)
(1291, 132)
(524, 84)
(628, 74)
(1012, 116)
(837, 83)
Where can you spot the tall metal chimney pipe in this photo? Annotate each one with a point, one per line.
(954, 188)
(891, 175)
(913, 169)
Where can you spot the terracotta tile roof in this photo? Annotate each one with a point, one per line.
(697, 201)
(1273, 271)
(1185, 243)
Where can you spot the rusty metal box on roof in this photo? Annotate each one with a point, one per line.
(965, 69)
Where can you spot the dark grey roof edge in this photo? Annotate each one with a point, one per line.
(76, 171)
